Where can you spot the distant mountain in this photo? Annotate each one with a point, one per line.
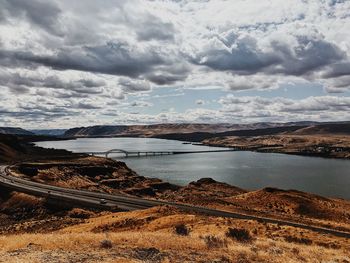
(200, 136)
(156, 130)
(14, 130)
(145, 130)
(95, 131)
(49, 132)
(335, 128)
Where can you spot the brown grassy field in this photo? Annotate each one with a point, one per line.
(151, 236)
(34, 230)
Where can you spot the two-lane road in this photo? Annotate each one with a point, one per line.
(126, 203)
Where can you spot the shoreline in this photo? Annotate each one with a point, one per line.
(251, 187)
(258, 148)
(312, 155)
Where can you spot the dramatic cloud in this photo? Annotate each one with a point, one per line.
(101, 60)
(43, 14)
(243, 55)
(131, 86)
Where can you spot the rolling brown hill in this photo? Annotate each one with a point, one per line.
(156, 130)
(337, 128)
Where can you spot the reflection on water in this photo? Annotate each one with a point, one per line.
(249, 170)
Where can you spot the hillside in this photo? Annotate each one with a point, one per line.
(143, 130)
(35, 231)
(321, 145)
(337, 128)
(156, 130)
(49, 132)
(10, 148)
(14, 130)
(15, 148)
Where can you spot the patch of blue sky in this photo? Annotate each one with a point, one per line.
(181, 99)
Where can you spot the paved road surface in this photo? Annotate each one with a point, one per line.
(126, 203)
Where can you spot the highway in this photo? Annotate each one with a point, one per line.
(117, 202)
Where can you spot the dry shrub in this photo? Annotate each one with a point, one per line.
(182, 230)
(149, 254)
(295, 251)
(215, 242)
(328, 245)
(106, 243)
(243, 258)
(301, 240)
(241, 235)
(80, 213)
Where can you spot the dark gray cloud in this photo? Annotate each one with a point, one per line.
(112, 58)
(132, 86)
(167, 75)
(245, 57)
(87, 106)
(242, 55)
(309, 55)
(140, 103)
(19, 89)
(41, 13)
(65, 94)
(165, 78)
(37, 114)
(18, 83)
(338, 70)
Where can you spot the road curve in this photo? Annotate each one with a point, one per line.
(126, 203)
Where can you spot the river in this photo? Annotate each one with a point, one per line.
(248, 170)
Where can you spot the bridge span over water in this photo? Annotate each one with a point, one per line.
(150, 153)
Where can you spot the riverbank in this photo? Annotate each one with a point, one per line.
(325, 145)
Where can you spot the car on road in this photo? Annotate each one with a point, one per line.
(103, 201)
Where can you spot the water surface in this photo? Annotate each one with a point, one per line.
(248, 170)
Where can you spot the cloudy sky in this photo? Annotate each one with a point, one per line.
(75, 63)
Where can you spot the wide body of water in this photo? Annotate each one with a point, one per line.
(248, 170)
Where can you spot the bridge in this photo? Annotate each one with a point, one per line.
(150, 153)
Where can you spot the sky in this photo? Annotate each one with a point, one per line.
(77, 63)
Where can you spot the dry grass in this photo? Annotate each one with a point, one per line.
(149, 236)
(174, 246)
(20, 200)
